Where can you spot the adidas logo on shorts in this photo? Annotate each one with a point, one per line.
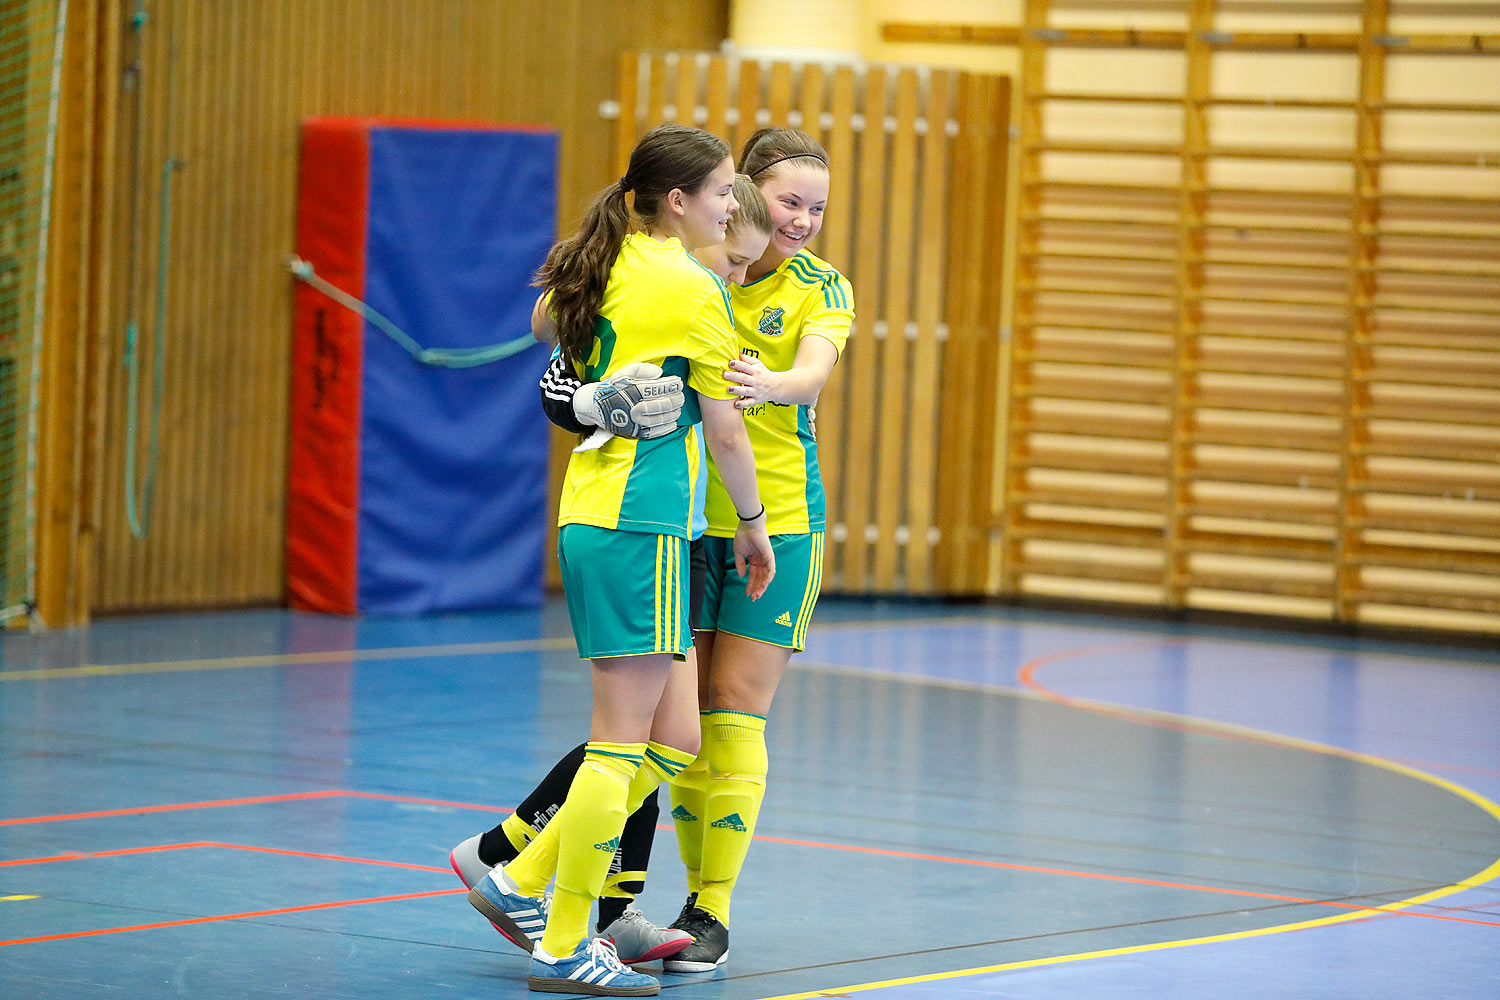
(730, 822)
(611, 845)
(681, 813)
(785, 619)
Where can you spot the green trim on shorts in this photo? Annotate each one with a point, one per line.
(783, 613)
(627, 591)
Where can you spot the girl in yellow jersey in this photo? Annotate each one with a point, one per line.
(637, 940)
(620, 299)
(792, 317)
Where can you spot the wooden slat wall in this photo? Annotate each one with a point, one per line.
(243, 76)
(915, 221)
(1256, 363)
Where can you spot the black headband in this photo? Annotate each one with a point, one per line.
(789, 156)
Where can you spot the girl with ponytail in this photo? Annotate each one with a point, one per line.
(620, 298)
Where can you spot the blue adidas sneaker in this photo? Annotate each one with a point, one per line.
(593, 969)
(520, 918)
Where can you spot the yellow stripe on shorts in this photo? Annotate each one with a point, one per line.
(668, 607)
(810, 595)
(657, 609)
(669, 582)
(676, 592)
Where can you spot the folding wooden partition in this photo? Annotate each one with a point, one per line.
(1256, 353)
(907, 425)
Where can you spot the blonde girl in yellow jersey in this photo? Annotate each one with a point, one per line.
(792, 316)
(618, 299)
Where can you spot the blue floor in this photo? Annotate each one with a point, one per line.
(964, 801)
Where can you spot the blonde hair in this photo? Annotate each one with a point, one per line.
(753, 214)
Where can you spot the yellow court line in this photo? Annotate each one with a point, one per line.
(1452, 654)
(1485, 875)
(16, 899)
(332, 656)
(534, 645)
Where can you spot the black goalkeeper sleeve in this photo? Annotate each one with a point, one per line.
(558, 386)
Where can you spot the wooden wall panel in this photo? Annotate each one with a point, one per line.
(916, 212)
(242, 77)
(1256, 340)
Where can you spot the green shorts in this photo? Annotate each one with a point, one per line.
(627, 591)
(782, 614)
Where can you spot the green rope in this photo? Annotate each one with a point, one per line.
(440, 357)
(139, 513)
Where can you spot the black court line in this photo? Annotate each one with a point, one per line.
(1039, 937)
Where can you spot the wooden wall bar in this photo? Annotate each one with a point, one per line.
(915, 221)
(1257, 339)
(223, 87)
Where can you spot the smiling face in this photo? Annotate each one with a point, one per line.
(797, 194)
(703, 216)
(730, 259)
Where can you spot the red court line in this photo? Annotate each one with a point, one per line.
(1100, 876)
(822, 845)
(84, 855)
(231, 916)
(174, 807)
(331, 793)
(383, 797)
(327, 857)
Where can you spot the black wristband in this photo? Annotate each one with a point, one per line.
(752, 517)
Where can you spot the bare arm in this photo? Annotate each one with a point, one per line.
(754, 383)
(724, 433)
(542, 326)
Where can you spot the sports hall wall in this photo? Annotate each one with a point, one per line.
(223, 87)
(1254, 361)
(1240, 319)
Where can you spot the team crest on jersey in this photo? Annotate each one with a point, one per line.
(770, 321)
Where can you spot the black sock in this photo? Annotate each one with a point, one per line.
(536, 809)
(611, 908)
(496, 849)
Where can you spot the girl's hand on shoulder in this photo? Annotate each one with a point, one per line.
(751, 381)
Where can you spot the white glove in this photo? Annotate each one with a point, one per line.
(637, 402)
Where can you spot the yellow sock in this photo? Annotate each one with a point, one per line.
(517, 831)
(736, 785)
(534, 867)
(662, 763)
(689, 799)
(590, 822)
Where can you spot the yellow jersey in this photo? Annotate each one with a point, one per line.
(803, 297)
(664, 307)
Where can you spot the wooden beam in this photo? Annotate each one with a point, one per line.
(1012, 35)
(66, 360)
(1364, 251)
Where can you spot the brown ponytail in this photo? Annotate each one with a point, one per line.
(576, 272)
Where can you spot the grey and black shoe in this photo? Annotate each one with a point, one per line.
(692, 901)
(710, 947)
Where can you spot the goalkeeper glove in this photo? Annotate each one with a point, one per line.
(637, 402)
